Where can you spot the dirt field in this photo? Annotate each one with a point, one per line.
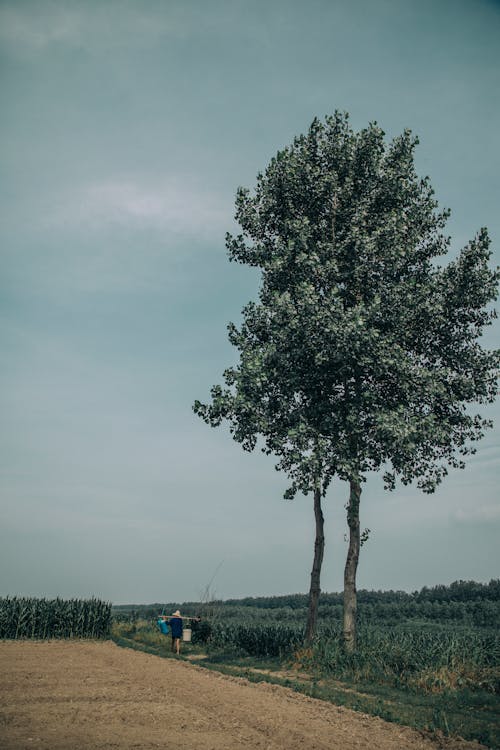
(75, 695)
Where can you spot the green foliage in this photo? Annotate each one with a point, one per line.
(362, 352)
(128, 612)
(260, 640)
(54, 618)
(141, 631)
(430, 660)
(462, 603)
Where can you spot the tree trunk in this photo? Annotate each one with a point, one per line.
(314, 591)
(351, 566)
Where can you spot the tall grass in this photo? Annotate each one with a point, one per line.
(260, 640)
(430, 660)
(54, 618)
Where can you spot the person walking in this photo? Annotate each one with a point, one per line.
(175, 625)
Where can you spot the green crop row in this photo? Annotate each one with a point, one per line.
(484, 613)
(263, 640)
(429, 660)
(54, 618)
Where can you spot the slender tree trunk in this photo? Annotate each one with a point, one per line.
(351, 566)
(314, 591)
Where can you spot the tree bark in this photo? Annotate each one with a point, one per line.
(351, 567)
(315, 590)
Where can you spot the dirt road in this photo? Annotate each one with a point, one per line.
(62, 695)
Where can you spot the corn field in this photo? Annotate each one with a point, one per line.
(470, 658)
(260, 640)
(54, 618)
(431, 660)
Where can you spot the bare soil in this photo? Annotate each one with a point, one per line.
(76, 695)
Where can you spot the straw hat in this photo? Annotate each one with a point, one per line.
(176, 613)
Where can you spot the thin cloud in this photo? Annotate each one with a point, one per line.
(21, 26)
(35, 27)
(174, 206)
(481, 514)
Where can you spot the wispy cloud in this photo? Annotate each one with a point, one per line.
(479, 514)
(176, 206)
(32, 27)
(24, 27)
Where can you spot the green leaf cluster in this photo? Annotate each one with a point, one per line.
(362, 352)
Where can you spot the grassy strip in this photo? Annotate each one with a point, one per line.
(471, 715)
(136, 646)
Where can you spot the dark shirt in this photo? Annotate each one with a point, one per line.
(176, 627)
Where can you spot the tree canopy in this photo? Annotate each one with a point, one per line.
(360, 345)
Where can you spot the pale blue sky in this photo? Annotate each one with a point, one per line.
(125, 129)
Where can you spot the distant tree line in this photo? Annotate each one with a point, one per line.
(458, 591)
(466, 602)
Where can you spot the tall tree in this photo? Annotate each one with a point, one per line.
(362, 353)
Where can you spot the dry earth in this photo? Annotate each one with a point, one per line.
(61, 695)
